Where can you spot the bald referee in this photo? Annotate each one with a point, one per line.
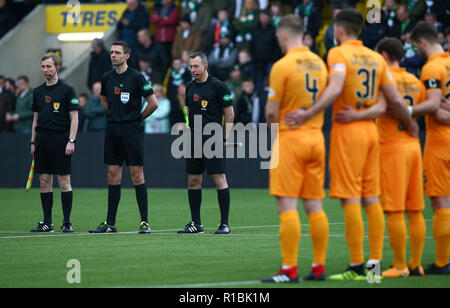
(121, 95)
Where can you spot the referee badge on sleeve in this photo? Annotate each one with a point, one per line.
(124, 97)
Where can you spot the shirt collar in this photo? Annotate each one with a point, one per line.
(298, 49)
(439, 55)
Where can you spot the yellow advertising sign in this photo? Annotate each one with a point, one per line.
(83, 18)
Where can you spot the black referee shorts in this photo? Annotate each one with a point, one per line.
(212, 165)
(50, 154)
(124, 142)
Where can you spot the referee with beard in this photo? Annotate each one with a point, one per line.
(121, 95)
(209, 98)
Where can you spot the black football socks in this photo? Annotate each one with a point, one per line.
(113, 204)
(142, 201)
(195, 201)
(47, 205)
(223, 196)
(66, 201)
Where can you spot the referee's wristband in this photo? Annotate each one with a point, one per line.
(33, 142)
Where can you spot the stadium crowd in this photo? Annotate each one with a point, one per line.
(239, 38)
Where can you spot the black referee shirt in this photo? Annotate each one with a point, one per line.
(124, 94)
(54, 104)
(208, 100)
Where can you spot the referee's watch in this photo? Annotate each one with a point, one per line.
(71, 140)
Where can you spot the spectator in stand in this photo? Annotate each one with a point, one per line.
(308, 41)
(179, 75)
(411, 59)
(185, 38)
(447, 38)
(222, 58)
(6, 106)
(442, 11)
(185, 59)
(158, 122)
(153, 51)
(430, 18)
(190, 7)
(22, 118)
(94, 112)
(234, 83)
(166, 20)
(392, 22)
(7, 18)
(276, 12)
(416, 8)
(251, 105)
(200, 12)
(373, 32)
(310, 14)
(11, 89)
(82, 101)
(99, 63)
(329, 40)
(218, 25)
(246, 64)
(145, 67)
(264, 49)
(244, 26)
(134, 18)
(406, 23)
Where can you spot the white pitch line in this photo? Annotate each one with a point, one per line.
(203, 285)
(162, 232)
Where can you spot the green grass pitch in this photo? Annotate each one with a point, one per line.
(163, 258)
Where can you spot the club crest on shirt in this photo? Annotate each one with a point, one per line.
(124, 97)
(48, 99)
(204, 104)
(56, 107)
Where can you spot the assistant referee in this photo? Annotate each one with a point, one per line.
(210, 99)
(55, 124)
(121, 95)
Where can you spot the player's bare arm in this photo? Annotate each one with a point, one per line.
(151, 107)
(350, 115)
(431, 105)
(228, 118)
(70, 148)
(335, 85)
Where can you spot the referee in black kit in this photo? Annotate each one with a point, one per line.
(209, 98)
(55, 124)
(121, 95)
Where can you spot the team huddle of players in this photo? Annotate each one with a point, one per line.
(375, 154)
